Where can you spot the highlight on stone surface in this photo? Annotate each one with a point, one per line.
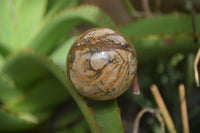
(102, 64)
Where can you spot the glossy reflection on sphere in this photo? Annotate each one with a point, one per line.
(102, 64)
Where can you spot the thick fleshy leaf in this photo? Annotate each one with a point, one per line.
(9, 93)
(149, 47)
(71, 121)
(12, 121)
(14, 98)
(4, 50)
(57, 27)
(80, 127)
(35, 84)
(92, 120)
(54, 6)
(42, 96)
(24, 71)
(20, 19)
(107, 115)
(165, 24)
(152, 37)
(6, 23)
(15, 122)
(1, 61)
(60, 55)
(29, 57)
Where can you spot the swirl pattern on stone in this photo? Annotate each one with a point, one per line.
(102, 64)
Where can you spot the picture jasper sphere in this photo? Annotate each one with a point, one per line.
(101, 64)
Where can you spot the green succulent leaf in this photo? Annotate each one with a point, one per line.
(152, 37)
(35, 84)
(107, 115)
(149, 47)
(81, 126)
(6, 25)
(57, 27)
(12, 121)
(59, 56)
(8, 91)
(54, 6)
(4, 50)
(165, 24)
(15, 122)
(43, 95)
(110, 108)
(71, 121)
(1, 62)
(25, 71)
(20, 19)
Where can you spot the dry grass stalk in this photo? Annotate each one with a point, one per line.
(183, 106)
(196, 61)
(146, 8)
(155, 112)
(163, 109)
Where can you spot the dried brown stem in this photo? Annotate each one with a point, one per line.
(163, 109)
(183, 106)
(146, 8)
(196, 61)
(155, 112)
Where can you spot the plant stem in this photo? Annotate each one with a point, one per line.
(190, 73)
(130, 7)
(155, 112)
(183, 107)
(163, 109)
(146, 8)
(196, 61)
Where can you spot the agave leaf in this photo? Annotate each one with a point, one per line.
(68, 116)
(12, 121)
(57, 27)
(149, 47)
(44, 95)
(4, 50)
(106, 114)
(59, 56)
(27, 57)
(71, 121)
(28, 19)
(6, 25)
(1, 62)
(154, 36)
(54, 6)
(8, 91)
(80, 127)
(20, 19)
(165, 24)
(64, 80)
(24, 72)
(15, 122)
(28, 83)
